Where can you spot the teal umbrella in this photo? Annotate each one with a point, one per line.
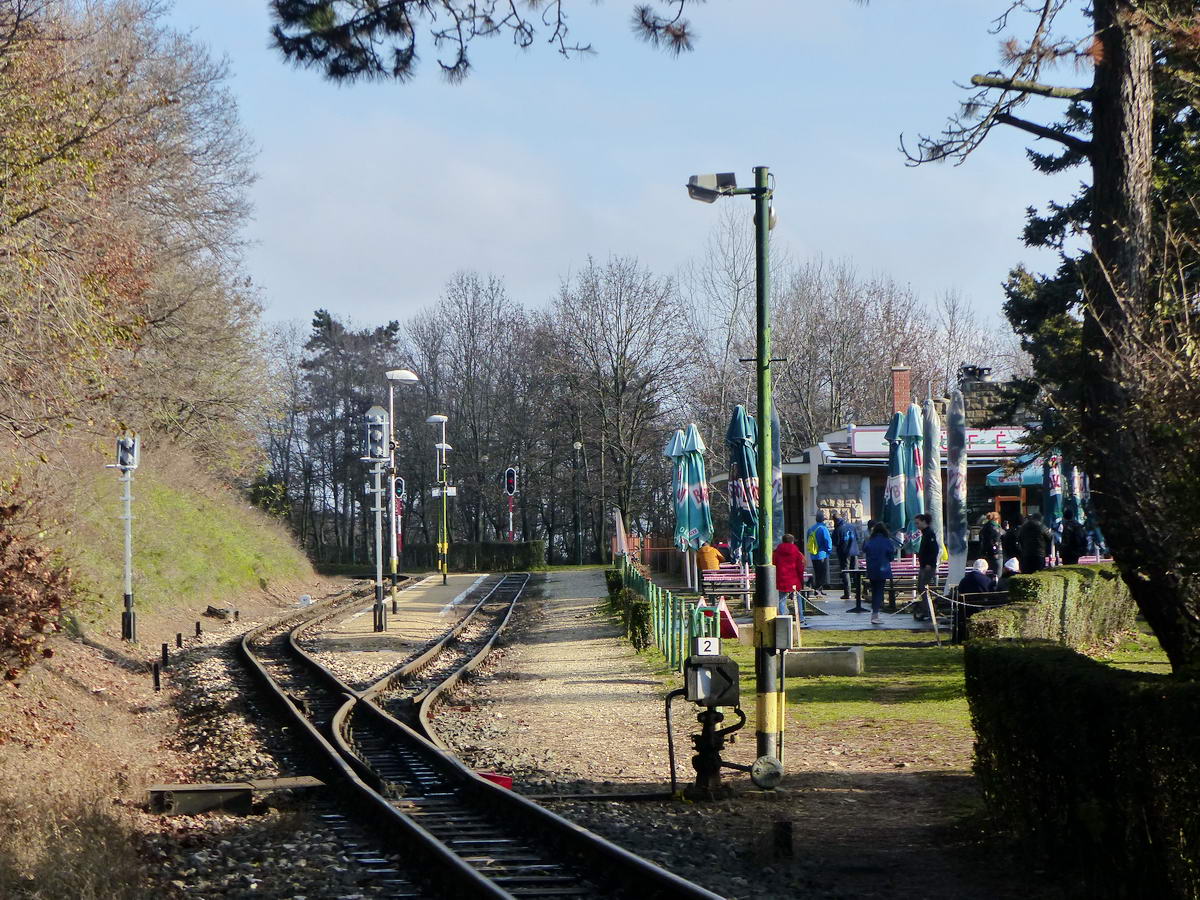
(679, 492)
(699, 512)
(956, 487)
(742, 439)
(893, 494)
(910, 459)
(1052, 494)
(931, 457)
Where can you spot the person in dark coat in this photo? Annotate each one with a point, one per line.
(1033, 544)
(1011, 567)
(845, 541)
(789, 575)
(879, 551)
(1008, 541)
(927, 558)
(989, 540)
(977, 580)
(1074, 539)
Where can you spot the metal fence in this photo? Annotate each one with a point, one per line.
(673, 620)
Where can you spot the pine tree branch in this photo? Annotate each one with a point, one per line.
(1079, 146)
(1031, 87)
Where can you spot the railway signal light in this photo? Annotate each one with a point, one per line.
(377, 438)
(128, 447)
(510, 481)
(400, 487)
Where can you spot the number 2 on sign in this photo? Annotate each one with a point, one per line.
(710, 646)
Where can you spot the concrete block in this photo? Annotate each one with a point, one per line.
(746, 633)
(824, 661)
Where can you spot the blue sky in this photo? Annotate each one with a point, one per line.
(370, 196)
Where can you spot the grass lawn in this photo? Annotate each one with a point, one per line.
(1138, 652)
(906, 678)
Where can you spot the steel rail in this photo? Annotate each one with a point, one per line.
(631, 874)
(452, 873)
(477, 832)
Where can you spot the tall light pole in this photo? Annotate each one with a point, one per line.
(578, 516)
(128, 451)
(439, 460)
(394, 377)
(768, 658)
(376, 453)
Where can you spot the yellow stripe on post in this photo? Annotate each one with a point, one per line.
(767, 709)
(763, 629)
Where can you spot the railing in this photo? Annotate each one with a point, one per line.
(673, 620)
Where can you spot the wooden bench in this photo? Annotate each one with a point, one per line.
(966, 605)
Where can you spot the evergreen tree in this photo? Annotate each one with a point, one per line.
(1113, 333)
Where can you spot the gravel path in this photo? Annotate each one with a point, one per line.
(563, 707)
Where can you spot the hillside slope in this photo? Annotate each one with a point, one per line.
(195, 543)
(83, 732)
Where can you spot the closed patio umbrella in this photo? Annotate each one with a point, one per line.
(956, 487)
(742, 440)
(1052, 495)
(931, 452)
(911, 435)
(893, 494)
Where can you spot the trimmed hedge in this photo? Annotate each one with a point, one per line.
(1095, 769)
(634, 612)
(1074, 605)
(614, 581)
(486, 557)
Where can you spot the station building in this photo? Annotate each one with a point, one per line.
(845, 473)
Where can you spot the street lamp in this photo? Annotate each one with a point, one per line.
(768, 658)
(578, 516)
(439, 461)
(394, 377)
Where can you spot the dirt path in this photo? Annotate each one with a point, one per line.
(567, 706)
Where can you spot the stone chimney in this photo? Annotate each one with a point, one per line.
(901, 388)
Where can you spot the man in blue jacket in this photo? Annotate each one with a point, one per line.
(845, 541)
(823, 543)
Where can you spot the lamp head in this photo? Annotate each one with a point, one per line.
(707, 188)
(436, 419)
(443, 447)
(404, 376)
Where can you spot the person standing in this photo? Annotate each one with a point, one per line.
(1074, 539)
(879, 551)
(1033, 544)
(1008, 541)
(820, 545)
(989, 540)
(927, 558)
(845, 540)
(789, 576)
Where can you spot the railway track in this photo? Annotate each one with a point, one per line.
(451, 829)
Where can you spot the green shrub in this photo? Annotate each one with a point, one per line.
(612, 578)
(472, 557)
(1079, 606)
(1095, 768)
(633, 611)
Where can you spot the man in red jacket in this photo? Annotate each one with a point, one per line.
(789, 575)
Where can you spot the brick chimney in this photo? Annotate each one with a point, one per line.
(901, 388)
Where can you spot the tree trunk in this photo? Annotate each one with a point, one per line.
(1118, 294)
